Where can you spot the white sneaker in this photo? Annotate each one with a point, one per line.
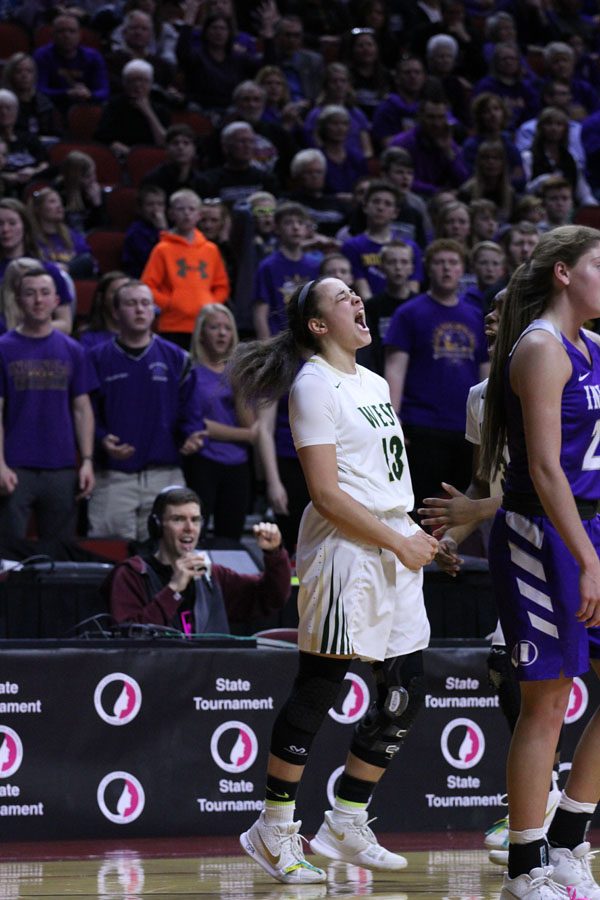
(496, 837)
(572, 869)
(354, 843)
(278, 849)
(537, 885)
(498, 857)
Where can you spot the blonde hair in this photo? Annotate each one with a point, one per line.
(34, 205)
(197, 351)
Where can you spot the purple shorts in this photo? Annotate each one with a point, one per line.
(536, 584)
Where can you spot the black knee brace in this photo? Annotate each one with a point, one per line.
(400, 692)
(313, 694)
(502, 678)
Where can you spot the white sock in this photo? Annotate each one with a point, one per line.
(527, 836)
(575, 806)
(279, 813)
(343, 812)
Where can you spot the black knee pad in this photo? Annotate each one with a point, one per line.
(502, 678)
(400, 692)
(314, 692)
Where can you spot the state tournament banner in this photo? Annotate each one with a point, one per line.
(102, 741)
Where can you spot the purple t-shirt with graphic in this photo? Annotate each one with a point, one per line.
(446, 345)
(144, 399)
(365, 256)
(213, 399)
(39, 379)
(276, 280)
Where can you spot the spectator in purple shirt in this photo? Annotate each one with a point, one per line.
(219, 472)
(67, 72)
(47, 417)
(436, 351)
(399, 111)
(508, 79)
(490, 116)
(56, 242)
(102, 325)
(344, 166)
(338, 90)
(560, 64)
(139, 443)
(436, 155)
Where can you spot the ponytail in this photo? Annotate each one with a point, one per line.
(262, 371)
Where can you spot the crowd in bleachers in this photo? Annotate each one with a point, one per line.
(178, 168)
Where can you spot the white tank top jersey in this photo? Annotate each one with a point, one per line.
(475, 412)
(354, 413)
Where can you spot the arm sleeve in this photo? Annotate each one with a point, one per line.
(474, 410)
(312, 418)
(249, 596)
(128, 599)
(98, 79)
(84, 374)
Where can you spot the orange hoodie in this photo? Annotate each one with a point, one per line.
(184, 277)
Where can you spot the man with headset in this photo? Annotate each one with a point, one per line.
(179, 587)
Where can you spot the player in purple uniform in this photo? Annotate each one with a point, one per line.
(543, 397)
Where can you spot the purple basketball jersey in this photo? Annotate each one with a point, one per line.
(580, 423)
(535, 576)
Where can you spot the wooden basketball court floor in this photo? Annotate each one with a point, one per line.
(451, 866)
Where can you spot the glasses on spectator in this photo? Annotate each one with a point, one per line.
(211, 201)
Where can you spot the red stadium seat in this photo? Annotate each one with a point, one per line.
(82, 121)
(113, 548)
(89, 37)
(107, 166)
(201, 125)
(588, 215)
(107, 247)
(121, 206)
(84, 293)
(142, 160)
(13, 39)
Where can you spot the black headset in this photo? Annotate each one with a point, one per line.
(155, 526)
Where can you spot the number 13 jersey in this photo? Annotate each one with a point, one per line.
(354, 413)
